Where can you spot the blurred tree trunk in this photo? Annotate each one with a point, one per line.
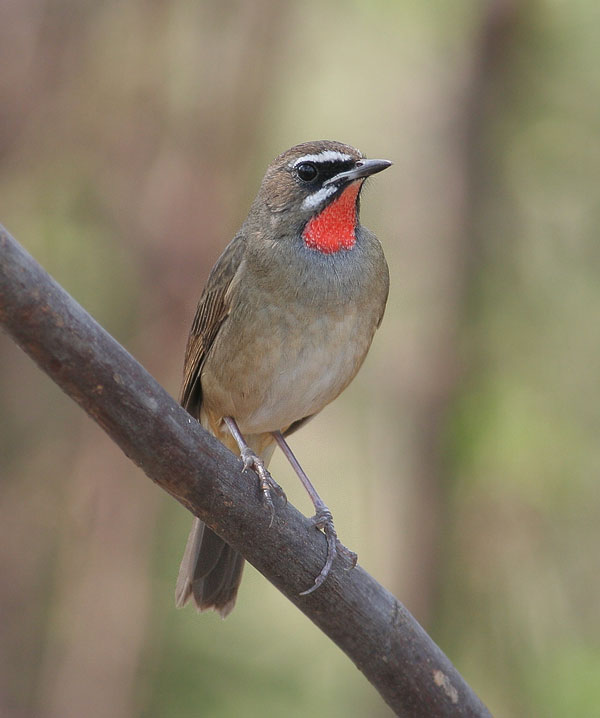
(431, 376)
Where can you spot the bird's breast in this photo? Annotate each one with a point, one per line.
(272, 367)
(300, 325)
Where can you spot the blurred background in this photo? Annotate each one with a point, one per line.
(133, 137)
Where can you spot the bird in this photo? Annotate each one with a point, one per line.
(282, 326)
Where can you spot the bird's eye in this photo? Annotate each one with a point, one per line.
(307, 171)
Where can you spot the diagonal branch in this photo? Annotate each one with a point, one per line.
(369, 624)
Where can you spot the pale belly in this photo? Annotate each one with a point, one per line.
(282, 372)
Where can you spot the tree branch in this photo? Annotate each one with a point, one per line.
(369, 624)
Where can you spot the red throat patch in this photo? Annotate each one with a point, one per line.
(333, 228)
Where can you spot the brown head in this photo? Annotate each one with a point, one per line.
(315, 188)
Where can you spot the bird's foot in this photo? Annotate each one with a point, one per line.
(267, 483)
(323, 520)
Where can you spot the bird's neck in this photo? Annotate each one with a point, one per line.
(333, 229)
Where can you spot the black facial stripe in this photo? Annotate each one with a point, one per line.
(330, 168)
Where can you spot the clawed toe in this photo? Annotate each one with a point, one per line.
(350, 555)
(267, 483)
(324, 520)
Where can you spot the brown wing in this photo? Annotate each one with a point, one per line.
(211, 312)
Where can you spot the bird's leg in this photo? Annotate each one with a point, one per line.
(322, 518)
(254, 462)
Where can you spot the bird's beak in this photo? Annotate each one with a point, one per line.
(362, 169)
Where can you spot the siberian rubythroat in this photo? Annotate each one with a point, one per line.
(284, 323)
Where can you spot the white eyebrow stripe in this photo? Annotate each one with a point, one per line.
(325, 156)
(314, 200)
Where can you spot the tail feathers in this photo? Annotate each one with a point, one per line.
(210, 572)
